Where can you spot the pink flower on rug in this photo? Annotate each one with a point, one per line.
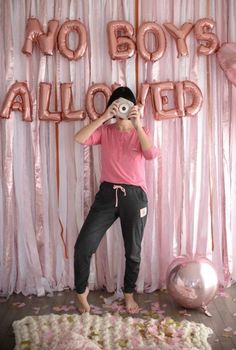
(48, 335)
(153, 330)
(73, 341)
(134, 342)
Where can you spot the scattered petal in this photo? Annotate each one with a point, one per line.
(96, 310)
(223, 294)
(144, 311)
(36, 310)
(207, 313)
(160, 312)
(19, 305)
(50, 295)
(228, 329)
(64, 308)
(184, 313)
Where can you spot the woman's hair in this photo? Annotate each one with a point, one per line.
(122, 91)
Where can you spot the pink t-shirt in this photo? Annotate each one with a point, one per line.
(123, 160)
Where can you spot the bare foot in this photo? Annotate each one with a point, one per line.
(131, 305)
(83, 302)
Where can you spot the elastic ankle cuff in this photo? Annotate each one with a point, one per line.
(80, 291)
(128, 290)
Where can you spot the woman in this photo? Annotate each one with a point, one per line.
(125, 145)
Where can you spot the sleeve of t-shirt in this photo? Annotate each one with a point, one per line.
(152, 152)
(95, 138)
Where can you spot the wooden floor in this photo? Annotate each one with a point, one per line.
(222, 308)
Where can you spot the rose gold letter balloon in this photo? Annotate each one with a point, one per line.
(35, 34)
(48, 41)
(67, 102)
(143, 93)
(180, 98)
(161, 112)
(44, 101)
(195, 106)
(120, 47)
(192, 281)
(18, 98)
(151, 27)
(201, 29)
(180, 36)
(66, 28)
(92, 91)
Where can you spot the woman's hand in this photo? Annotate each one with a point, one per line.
(135, 115)
(111, 111)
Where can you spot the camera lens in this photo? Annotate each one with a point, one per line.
(124, 108)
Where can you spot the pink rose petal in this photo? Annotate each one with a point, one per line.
(228, 329)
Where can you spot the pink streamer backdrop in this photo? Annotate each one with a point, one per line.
(192, 186)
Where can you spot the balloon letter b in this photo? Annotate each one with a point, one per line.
(120, 47)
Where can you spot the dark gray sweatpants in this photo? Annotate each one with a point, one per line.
(130, 204)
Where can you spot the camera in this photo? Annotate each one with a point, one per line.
(124, 108)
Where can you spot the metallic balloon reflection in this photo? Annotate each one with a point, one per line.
(192, 282)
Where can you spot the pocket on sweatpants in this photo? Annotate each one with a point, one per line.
(143, 195)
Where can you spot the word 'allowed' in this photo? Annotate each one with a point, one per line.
(169, 100)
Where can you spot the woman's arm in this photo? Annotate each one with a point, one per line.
(83, 134)
(144, 139)
(147, 146)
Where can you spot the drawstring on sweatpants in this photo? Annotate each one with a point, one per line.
(116, 188)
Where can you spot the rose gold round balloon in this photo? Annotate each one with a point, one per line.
(192, 282)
